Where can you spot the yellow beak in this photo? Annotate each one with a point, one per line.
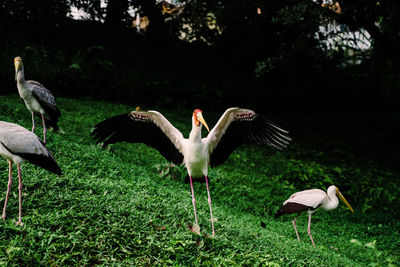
(17, 65)
(344, 200)
(201, 119)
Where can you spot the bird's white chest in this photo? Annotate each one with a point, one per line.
(31, 103)
(196, 158)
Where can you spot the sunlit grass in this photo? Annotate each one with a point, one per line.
(112, 207)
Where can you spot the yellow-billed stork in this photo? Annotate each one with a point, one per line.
(18, 145)
(236, 126)
(37, 99)
(310, 201)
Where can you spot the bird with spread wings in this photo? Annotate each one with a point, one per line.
(236, 126)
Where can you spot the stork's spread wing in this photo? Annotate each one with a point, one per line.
(242, 126)
(21, 142)
(148, 127)
(47, 101)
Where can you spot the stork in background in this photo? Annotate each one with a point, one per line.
(311, 201)
(18, 145)
(236, 127)
(37, 99)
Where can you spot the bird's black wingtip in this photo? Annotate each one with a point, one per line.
(278, 213)
(57, 171)
(102, 131)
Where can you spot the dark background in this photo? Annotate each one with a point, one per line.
(270, 61)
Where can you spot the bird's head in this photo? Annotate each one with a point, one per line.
(342, 198)
(198, 118)
(17, 65)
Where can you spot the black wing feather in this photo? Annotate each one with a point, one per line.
(255, 131)
(46, 162)
(292, 207)
(123, 128)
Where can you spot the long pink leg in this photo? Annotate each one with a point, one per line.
(294, 225)
(33, 123)
(8, 188)
(209, 203)
(309, 228)
(193, 199)
(44, 129)
(20, 196)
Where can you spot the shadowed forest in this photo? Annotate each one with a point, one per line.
(231, 55)
(327, 71)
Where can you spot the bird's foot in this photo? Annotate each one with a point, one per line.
(194, 228)
(20, 223)
(210, 236)
(3, 217)
(214, 219)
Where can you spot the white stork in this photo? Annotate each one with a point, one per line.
(236, 126)
(17, 145)
(37, 99)
(310, 201)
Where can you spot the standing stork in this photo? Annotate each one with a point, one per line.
(17, 145)
(236, 126)
(311, 201)
(37, 99)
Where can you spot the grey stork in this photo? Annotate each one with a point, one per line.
(37, 99)
(18, 145)
(310, 201)
(236, 126)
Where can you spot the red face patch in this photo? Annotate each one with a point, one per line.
(196, 121)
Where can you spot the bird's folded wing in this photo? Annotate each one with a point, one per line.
(25, 144)
(42, 94)
(312, 198)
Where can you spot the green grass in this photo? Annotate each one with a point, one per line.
(112, 206)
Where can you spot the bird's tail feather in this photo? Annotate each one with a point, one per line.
(47, 163)
(291, 207)
(53, 113)
(278, 213)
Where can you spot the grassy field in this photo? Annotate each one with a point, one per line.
(126, 205)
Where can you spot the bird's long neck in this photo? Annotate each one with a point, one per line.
(195, 134)
(21, 75)
(332, 202)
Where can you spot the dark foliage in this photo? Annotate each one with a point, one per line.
(262, 60)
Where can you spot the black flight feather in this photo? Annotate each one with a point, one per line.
(46, 162)
(255, 131)
(124, 128)
(291, 207)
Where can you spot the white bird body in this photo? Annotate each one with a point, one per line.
(316, 198)
(25, 92)
(18, 145)
(195, 153)
(7, 133)
(37, 99)
(196, 158)
(235, 127)
(310, 201)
